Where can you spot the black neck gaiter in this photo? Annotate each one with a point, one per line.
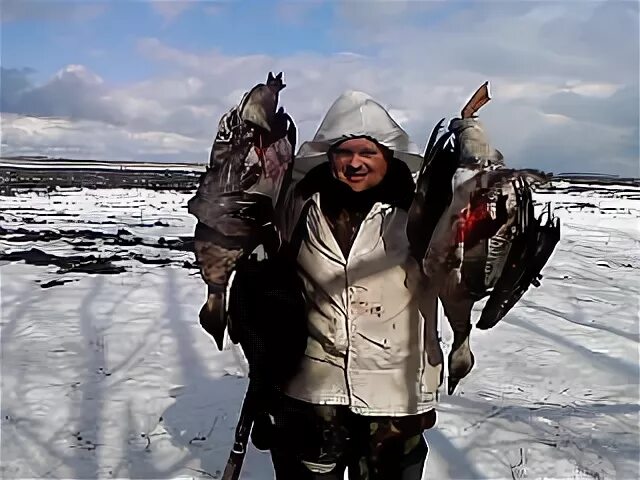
(345, 209)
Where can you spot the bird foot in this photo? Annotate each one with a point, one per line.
(461, 362)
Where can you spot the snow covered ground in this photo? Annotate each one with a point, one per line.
(108, 374)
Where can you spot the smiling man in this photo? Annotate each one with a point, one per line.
(360, 163)
(363, 385)
(365, 389)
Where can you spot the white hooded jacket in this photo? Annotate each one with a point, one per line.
(369, 346)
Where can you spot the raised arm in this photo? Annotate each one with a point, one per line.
(249, 169)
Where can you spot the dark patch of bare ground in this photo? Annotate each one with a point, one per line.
(86, 243)
(122, 237)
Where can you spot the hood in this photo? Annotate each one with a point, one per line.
(356, 114)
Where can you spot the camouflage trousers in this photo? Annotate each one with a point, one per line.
(320, 442)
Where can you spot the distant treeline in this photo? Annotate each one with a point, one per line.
(14, 178)
(45, 174)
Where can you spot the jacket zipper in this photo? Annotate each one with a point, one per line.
(375, 210)
(348, 327)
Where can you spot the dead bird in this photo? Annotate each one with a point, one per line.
(249, 169)
(473, 230)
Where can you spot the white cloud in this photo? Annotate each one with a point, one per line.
(598, 90)
(87, 139)
(81, 73)
(565, 89)
(556, 118)
(156, 50)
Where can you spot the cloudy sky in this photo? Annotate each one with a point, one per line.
(149, 80)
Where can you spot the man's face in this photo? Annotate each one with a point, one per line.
(359, 163)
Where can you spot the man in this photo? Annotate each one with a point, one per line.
(365, 389)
